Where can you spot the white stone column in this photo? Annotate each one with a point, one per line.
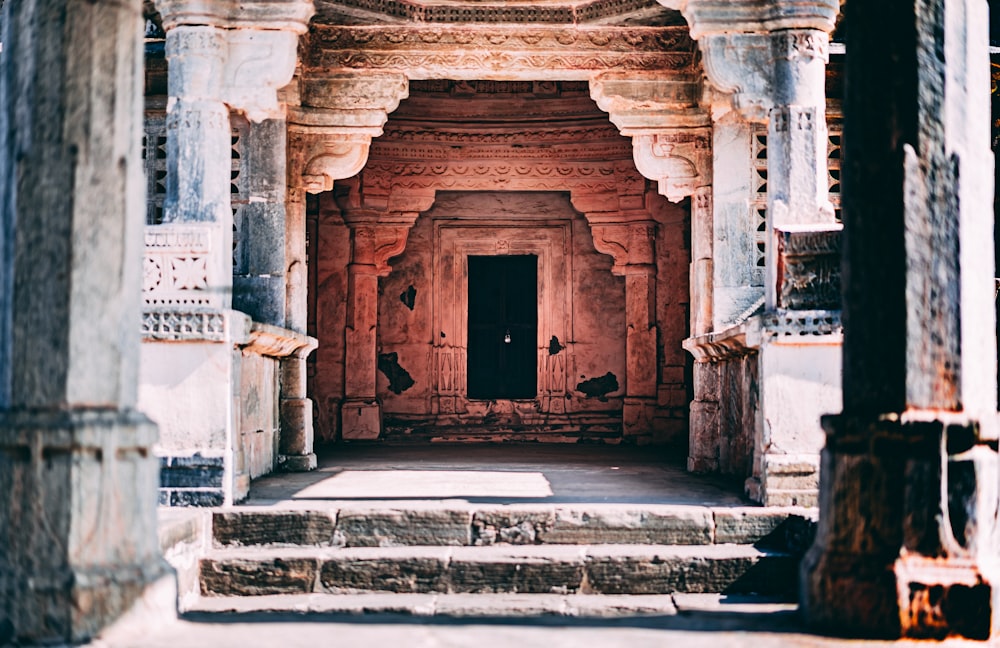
(77, 476)
(769, 59)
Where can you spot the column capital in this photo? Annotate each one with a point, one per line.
(750, 16)
(741, 41)
(248, 49)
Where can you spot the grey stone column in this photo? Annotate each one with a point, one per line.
(77, 477)
(296, 408)
(199, 148)
(907, 536)
(259, 272)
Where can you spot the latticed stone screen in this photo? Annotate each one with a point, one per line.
(154, 155)
(759, 181)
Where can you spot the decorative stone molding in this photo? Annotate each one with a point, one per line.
(195, 325)
(278, 342)
(178, 269)
(629, 244)
(341, 114)
(734, 342)
(801, 324)
(442, 11)
(680, 162)
(741, 65)
(670, 139)
(503, 52)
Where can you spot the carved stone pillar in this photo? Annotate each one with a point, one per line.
(631, 241)
(768, 59)
(259, 280)
(330, 134)
(77, 476)
(375, 237)
(907, 542)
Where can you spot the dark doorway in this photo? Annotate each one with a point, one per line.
(503, 326)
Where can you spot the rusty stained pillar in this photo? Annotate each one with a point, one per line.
(630, 239)
(907, 543)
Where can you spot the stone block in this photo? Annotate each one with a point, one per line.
(249, 577)
(781, 529)
(684, 526)
(516, 574)
(277, 528)
(360, 421)
(397, 527)
(386, 574)
(504, 525)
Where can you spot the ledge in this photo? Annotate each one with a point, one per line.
(277, 342)
(734, 342)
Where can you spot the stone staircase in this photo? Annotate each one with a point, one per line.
(456, 559)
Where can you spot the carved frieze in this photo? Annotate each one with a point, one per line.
(500, 51)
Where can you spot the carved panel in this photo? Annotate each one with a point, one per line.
(175, 325)
(809, 269)
(176, 266)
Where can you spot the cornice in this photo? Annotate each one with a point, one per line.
(284, 15)
(540, 11)
(756, 16)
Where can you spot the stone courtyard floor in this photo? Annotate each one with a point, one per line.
(490, 474)
(497, 474)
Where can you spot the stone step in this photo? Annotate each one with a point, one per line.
(506, 569)
(491, 605)
(441, 524)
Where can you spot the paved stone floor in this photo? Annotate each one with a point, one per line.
(498, 474)
(707, 630)
(528, 474)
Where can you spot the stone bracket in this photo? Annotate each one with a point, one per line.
(333, 129)
(670, 138)
(629, 244)
(278, 342)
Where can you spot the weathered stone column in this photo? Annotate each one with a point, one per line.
(198, 150)
(259, 273)
(769, 59)
(907, 541)
(375, 237)
(331, 133)
(631, 244)
(77, 477)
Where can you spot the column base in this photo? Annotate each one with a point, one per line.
(360, 420)
(905, 542)
(78, 495)
(298, 463)
(913, 597)
(786, 480)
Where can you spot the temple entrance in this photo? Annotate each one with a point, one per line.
(503, 327)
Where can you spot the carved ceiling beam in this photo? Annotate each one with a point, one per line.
(334, 126)
(500, 52)
(239, 53)
(669, 131)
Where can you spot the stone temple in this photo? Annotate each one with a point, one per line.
(751, 234)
